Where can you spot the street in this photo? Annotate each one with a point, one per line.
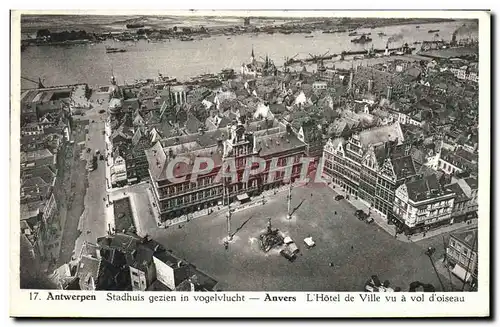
(354, 249)
(93, 223)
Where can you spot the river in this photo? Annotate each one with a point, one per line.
(91, 64)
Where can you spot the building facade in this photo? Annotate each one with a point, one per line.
(370, 165)
(275, 144)
(422, 204)
(462, 255)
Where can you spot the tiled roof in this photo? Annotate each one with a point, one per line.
(403, 167)
(468, 237)
(192, 124)
(460, 196)
(122, 242)
(36, 155)
(425, 188)
(31, 209)
(381, 134)
(277, 143)
(88, 272)
(472, 182)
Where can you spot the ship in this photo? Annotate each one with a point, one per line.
(186, 38)
(138, 25)
(353, 33)
(309, 36)
(433, 31)
(114, 50)
(381, 34)
(418, 26)
(362, 39)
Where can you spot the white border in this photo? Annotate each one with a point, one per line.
(478, 303)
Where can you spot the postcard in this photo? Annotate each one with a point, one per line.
(250, 164)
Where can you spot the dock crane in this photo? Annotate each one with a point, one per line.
(318, 60)
(289, 61)
(39, 82)
(315, 59)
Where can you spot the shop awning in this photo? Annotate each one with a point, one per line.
(461, 273)
(472, 214)
(242, 197)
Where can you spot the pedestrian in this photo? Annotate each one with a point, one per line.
(352, 247)
(330, 264)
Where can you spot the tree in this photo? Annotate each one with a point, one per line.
(174, 29)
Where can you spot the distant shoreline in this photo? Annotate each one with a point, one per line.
(263, 24)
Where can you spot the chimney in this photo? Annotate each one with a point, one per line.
(389, 92)
(351, 77)
(370, 85)
(219, 143)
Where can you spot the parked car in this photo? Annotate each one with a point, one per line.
(102, 111)
(360, 214)
(309, 242)
(369, 220)
(288, 255)
(292, 247)
(88, 150)
(339, 197)
(101, 157)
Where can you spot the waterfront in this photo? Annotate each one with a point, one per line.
(89, 63)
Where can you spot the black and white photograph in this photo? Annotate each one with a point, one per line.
(250, 152)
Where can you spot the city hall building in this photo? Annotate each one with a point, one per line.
(266, 139)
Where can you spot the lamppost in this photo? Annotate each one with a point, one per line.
(289, 215)
(430, 251)
(229, 236)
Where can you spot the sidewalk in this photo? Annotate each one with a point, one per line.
(108, 155)
(447, 276)
(391, 229)
(254, 201)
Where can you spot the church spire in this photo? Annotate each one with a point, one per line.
(252, 58)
